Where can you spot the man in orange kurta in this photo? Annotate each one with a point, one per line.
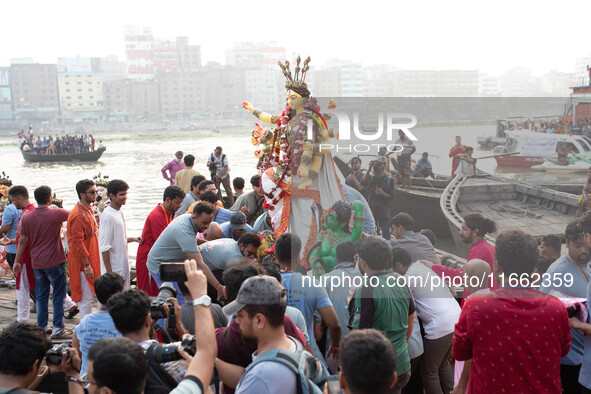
(84, 264)
(156, 222)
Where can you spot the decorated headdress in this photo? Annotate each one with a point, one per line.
(298, 81)
(4, 180)
(100, 180)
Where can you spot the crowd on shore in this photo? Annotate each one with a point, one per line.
(216, 289)
(47, 145)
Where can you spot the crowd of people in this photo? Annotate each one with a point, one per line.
(48, 145)
(216, 290)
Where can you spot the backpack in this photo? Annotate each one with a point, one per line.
(310, 373)
(158, 381)
(213, 167)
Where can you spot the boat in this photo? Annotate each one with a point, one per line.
(84, 156)
(553, 165)
(538, 211)
(526, 150)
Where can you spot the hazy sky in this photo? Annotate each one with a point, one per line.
(491, 36)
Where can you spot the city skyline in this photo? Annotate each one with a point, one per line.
(423, 35)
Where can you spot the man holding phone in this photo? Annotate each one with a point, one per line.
(178, 241)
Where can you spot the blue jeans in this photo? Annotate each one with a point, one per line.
(384, 223)
(179, 296)
(56, 277)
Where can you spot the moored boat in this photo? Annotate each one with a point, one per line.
(84, 156)
(536, 210)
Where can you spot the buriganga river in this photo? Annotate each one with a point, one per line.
(138, 160)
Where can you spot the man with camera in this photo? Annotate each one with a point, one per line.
(178, 242)
(381, 192)
(219, 169)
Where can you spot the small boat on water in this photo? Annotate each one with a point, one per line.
(538, 211)
(84, 156)
(553, 165)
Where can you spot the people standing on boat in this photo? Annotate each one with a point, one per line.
(454, 153)
(576, 265)
(354, 179)
(220, 173)
(91, 142)
(183, 178)
(84, 264)
(381, 191)
(42, 228)
(382, 152)
(155, 223)
(467, 164)
(423, 167)
(172, 167)
(584, 200)
(408, 148)
(113, 237)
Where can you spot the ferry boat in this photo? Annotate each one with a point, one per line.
(84, 156)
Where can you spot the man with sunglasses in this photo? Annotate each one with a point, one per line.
(84, 264)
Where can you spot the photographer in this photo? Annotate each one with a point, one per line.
(23, 347)
(381, 192)
(130, 311)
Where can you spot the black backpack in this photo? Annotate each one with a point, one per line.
(158, 381)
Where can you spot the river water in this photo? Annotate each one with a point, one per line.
(138, 160)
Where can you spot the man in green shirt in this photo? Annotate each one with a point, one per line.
(383, 303)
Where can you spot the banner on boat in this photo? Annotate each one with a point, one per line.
(538, 146)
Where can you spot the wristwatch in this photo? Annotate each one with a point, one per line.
(203, 300)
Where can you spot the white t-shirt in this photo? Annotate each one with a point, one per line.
(113, 237)
(269, 378)
(435, 304)
(465, 168)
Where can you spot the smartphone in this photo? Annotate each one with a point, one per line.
(333, 385)
(173, 272)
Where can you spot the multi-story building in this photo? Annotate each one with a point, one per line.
(139, 53)
(117, 99)
(145, 99)
(189, 56)
(80, 84)
(165, 56)
(182, 94)
(34, 91)
(255, 55)
(5, 94)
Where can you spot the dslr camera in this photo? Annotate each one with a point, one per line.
(163, 353)
(54, 355)
(157, 311)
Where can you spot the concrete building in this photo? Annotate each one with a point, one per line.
(182, 94)
(165, 57)
(145, 102)
(557, 84)
(117, 100)
(5, 94)
(139, 54)
(113, 69)
(34, 91)
(256, 55)
(189, 56)
(80, 84)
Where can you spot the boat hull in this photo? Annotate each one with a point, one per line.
(519, 161)
(423, 207)
(85, 156)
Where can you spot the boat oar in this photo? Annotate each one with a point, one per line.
(499, 155)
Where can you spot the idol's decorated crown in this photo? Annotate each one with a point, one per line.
(298, 81)
(4, 180)
(100, 180)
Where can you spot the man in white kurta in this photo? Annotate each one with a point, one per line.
(113, 233)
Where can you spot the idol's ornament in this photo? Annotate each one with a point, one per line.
(102, 200)
(295, 173)
(5, 184)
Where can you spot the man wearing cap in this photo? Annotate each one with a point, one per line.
(260, 311)
(236, 226)
(172, 167)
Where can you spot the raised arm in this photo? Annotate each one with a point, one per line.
(263, 116)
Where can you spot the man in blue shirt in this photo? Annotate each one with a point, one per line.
(12, 213)
(220, 215)
(236, 226)
(423, 167)
(576, 265)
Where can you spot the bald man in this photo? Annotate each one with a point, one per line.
(214, 231)
(480, 271)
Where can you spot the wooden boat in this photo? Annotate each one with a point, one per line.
(85, 156)
(538, 211)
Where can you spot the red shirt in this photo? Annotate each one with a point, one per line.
(482, 250)
(155, 224)
(515, 338)
(43, 226)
